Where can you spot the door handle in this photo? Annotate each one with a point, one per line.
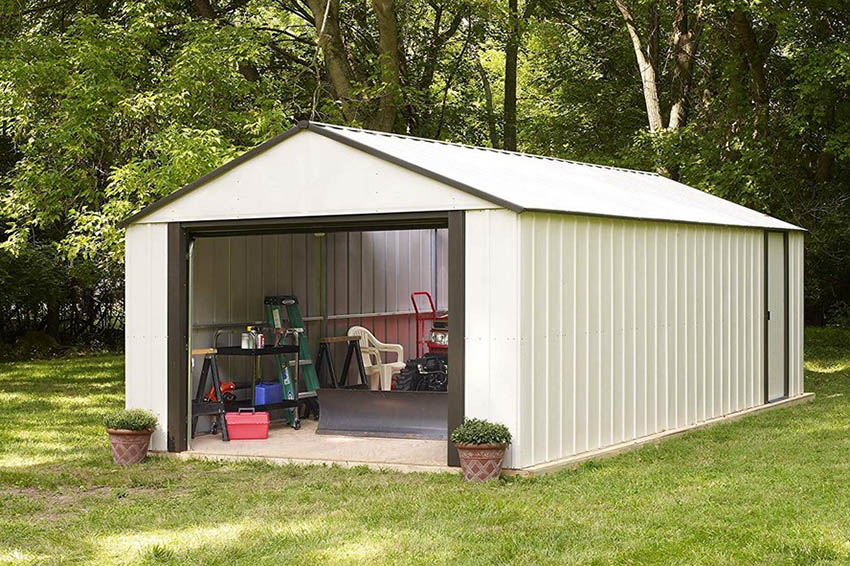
(768, 315)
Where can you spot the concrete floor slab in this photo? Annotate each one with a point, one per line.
(305, 446)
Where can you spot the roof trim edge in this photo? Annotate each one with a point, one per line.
(791, 228)
(331, 134)
(156, 205)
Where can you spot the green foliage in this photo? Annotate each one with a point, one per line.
(480, 432)
(130, 419)
(107, 106)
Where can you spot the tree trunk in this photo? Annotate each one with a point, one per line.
(511, 60)
(52, 323)
(326, 20)
(488, 99)
(390, 61)
(685, 41)
(754, 55)
(647, 68)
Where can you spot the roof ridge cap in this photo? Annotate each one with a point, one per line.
(479, 148)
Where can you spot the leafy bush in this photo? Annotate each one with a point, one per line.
(130, 419)
(479, 432)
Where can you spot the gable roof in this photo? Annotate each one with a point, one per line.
(522, 182)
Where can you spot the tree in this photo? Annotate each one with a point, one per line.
(684, 41)
(515, 25)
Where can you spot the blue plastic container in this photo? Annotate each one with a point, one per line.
(268, 393)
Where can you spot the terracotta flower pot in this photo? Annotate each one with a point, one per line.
(129, 446)
(481, 462)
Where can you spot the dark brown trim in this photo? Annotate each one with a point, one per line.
(177, 302)
(453, 220)
(211, 175)
(457, 325)
(341, 223)
(329, 132)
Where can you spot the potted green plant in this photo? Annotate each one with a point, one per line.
(481, 446)
(130, 434)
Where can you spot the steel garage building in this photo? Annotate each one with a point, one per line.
(589, 306)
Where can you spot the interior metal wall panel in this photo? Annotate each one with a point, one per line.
(375, 272)
(630, 328)
(368, 275)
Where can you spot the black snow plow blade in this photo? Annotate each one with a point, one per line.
(392, 414)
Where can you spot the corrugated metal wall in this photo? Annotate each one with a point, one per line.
(630, 328)
(492, 374)
(796, 321)
(146, 329)
(371, 273)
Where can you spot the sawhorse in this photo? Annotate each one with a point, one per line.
(200, 407)
(353, 351)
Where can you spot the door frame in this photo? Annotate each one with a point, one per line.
(182, 234)
(765, 322)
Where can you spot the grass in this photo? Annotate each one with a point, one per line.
(771, 488)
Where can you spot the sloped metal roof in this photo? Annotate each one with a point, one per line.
(523, 182)
(528, 182)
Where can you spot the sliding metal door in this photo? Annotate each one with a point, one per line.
(776, 314)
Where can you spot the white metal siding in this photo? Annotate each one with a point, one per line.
(796, 319)
(146, 328)
(629, 328)
(491, 371)
(310, 175)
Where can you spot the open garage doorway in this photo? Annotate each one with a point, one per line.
(348, 284)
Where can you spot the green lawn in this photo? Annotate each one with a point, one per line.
(773, 488)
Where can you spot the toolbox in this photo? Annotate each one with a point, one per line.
(268, 393)
(248, 424)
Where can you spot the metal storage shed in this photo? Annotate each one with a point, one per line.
(590, 306)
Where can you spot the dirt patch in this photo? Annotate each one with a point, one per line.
(70, 502)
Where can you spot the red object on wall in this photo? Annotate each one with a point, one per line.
(248, 425)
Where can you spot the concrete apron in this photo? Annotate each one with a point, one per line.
(304, 447)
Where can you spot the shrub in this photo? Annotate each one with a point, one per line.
(479, 432)
(130, 419)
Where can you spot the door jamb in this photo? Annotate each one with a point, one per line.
(181, 234)
(787, 333)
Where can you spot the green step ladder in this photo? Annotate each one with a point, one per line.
(285, 308)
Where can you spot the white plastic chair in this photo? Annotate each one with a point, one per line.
(372, 349)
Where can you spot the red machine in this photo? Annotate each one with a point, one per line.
(432, 327)
(228, 389)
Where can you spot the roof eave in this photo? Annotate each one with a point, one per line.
(331, 134)
(156, 205)
(787, 228)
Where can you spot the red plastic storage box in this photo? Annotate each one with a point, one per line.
(247, 424)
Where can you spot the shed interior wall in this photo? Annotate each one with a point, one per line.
(368, 280)
(631, 328)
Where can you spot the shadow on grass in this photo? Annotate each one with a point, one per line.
(769, 488)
